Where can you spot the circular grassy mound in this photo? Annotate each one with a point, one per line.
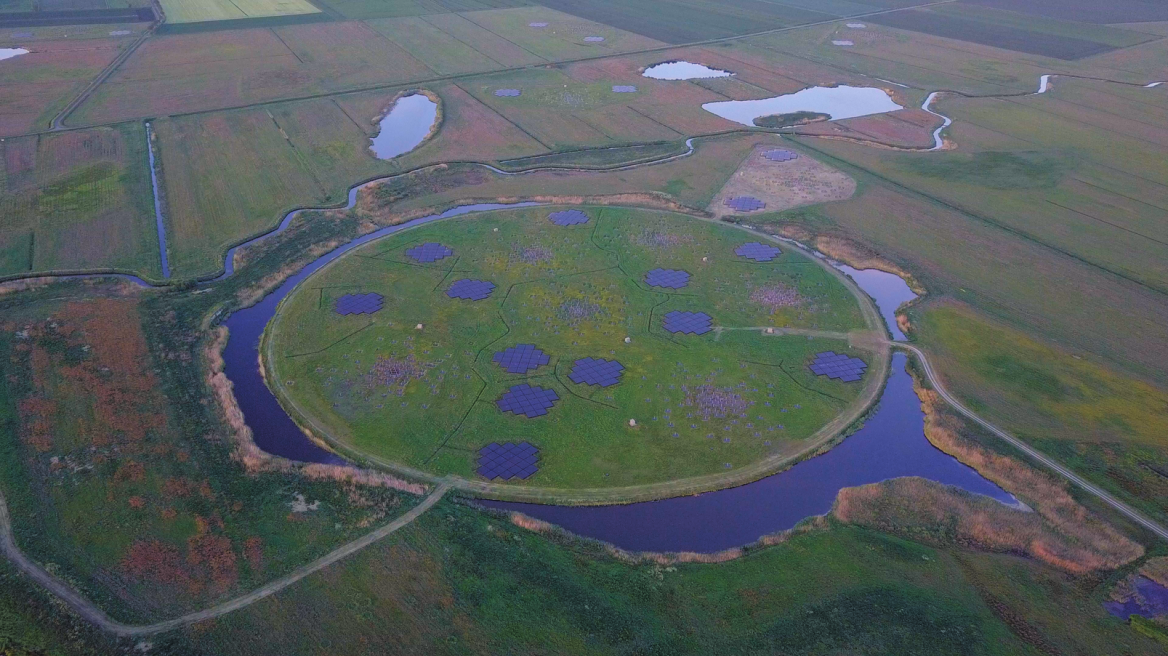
(516, 346)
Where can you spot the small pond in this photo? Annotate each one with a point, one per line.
(889, 290)
(406, 125)
(9, 53)
(891, 444)
(683, 70)
(837, 102)
(1150, 599)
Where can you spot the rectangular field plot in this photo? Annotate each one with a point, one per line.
(440, 51)
(35, 86)
(197, 11)
(194, 72)
(556, 36)
(365, 9)
(77, 201)
(679, 22)
(991, 34)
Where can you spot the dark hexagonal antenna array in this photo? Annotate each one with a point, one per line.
(521, 358)
(780, 155)
(745, 203)
(838, 365)
(359, 303)
(593, 39)
(667, 278)
(508, 460)
(689, 323)
(528, 400)
(429, 252)
(596, 371)
(507, 93)
(471, 290)
(568, 217)
(624, 88)
(757, 251)
(539, 24)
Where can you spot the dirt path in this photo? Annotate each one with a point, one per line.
(1033, 453)
(87, 610)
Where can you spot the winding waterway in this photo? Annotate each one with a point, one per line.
(891, 444)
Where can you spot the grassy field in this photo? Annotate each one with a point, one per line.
(1106, 425)
(457, 582)
(365, 9)
(104, 483)
(60, 63)
(76, 201)
(581, 287)
(197, 11)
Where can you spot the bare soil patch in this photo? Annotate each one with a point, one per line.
(783, 185)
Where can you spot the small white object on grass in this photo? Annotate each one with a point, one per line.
(418, 327)
(628, 340)
(770, 331)
(633, 422)
(705, 259)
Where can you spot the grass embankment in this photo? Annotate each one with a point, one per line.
(1105, 425)
(575, 292)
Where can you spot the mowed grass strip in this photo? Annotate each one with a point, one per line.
(197, 11)
(574, 292)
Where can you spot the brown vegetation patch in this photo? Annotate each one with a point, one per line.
(782, 185)
(1059, 532)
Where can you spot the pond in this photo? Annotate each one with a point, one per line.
(406, 125)
(683, 70)
(1149, 599)
(837, 102)
(889, 290)
(9, 53)
(891, 444)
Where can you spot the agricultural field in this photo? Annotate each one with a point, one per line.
(198, 11)
(77, 201)
(1109, 425)
(59, 64)
(578, 293)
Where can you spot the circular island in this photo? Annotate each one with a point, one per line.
(535, 352)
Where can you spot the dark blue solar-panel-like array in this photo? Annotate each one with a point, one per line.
(508, 460)
(593, 39)
(596, 371)
(668, 278)
(757, 252)
(507, 93)
(624, 88)
(838, 365)
(540, 24)
(521, 358)
(472, 290)
(528, 400)
(690, 323)
(359, 303)
(429, 252)
(568, 217)
(745, 203)
(780, 155)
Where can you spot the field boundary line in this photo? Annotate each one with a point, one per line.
(91, 613)
(58, 122)
(1030, 451)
